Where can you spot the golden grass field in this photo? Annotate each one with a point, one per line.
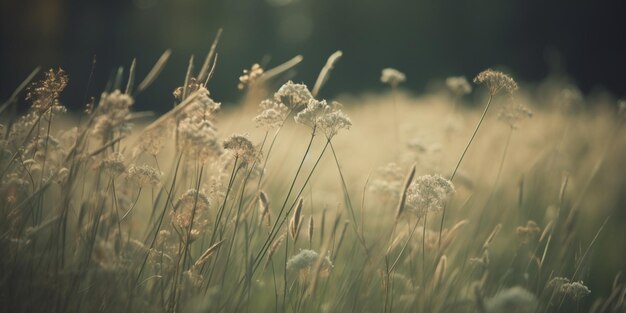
(352, 208)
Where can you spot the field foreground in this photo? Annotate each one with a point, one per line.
(289, 203)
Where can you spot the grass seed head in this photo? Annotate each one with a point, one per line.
(296, 219)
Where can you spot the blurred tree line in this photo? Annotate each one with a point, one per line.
(427, 39)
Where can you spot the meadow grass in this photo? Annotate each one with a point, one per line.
(290, 203)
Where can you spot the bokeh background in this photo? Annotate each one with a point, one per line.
(583, 40)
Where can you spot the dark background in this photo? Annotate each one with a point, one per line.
(427, 39)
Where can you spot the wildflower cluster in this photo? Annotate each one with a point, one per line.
(428, 193)
(293, 96)
(496, 81)
(306, 259)
(290, 97)
(458, 85)
(113, 110)
(392, 77)
(144, 175)
(319, 115)
(44, 97)
(191, 212)
(45, 93)
(241, 147)
(574, 290)
(197, 136)
(113, 165)
(273, 114)
(316, 114)
(389, 182)
(512, 113)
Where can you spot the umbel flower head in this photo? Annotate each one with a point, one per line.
(332, 122)
(572, 289)
(240, 146)
(392, 77)
(427, 194)
(513, 112)
(293, 96)
(197, 136)
(273, 114)
(307, 259)
(191, 212)
(144, 175)
(45, 93)
(458, 85)
(113, 165)
(114, 108)
(496, 81)
(320, 115)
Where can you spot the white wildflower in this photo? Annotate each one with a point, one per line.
(192, 198)
(390, 182)
(557, 282)
(203, 107)
(143, 175)
(332, 122)
(496, 81)
(428, 193)
(191, 213)
(318, 114)
(198, 140)
(305, 260)
(152, 140)
(313, 112)
(273, 114)
(392, 77)
(574, 290)
(458, 85)
(385, 188)
(241, 147)
(113, 165)
(113, 109)
(512, 113)
(293, 96)
(197, 136)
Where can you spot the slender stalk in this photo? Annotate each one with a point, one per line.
(482, 118)
(279, 222)
(458, 164)
(348, 201)
(275, 227)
